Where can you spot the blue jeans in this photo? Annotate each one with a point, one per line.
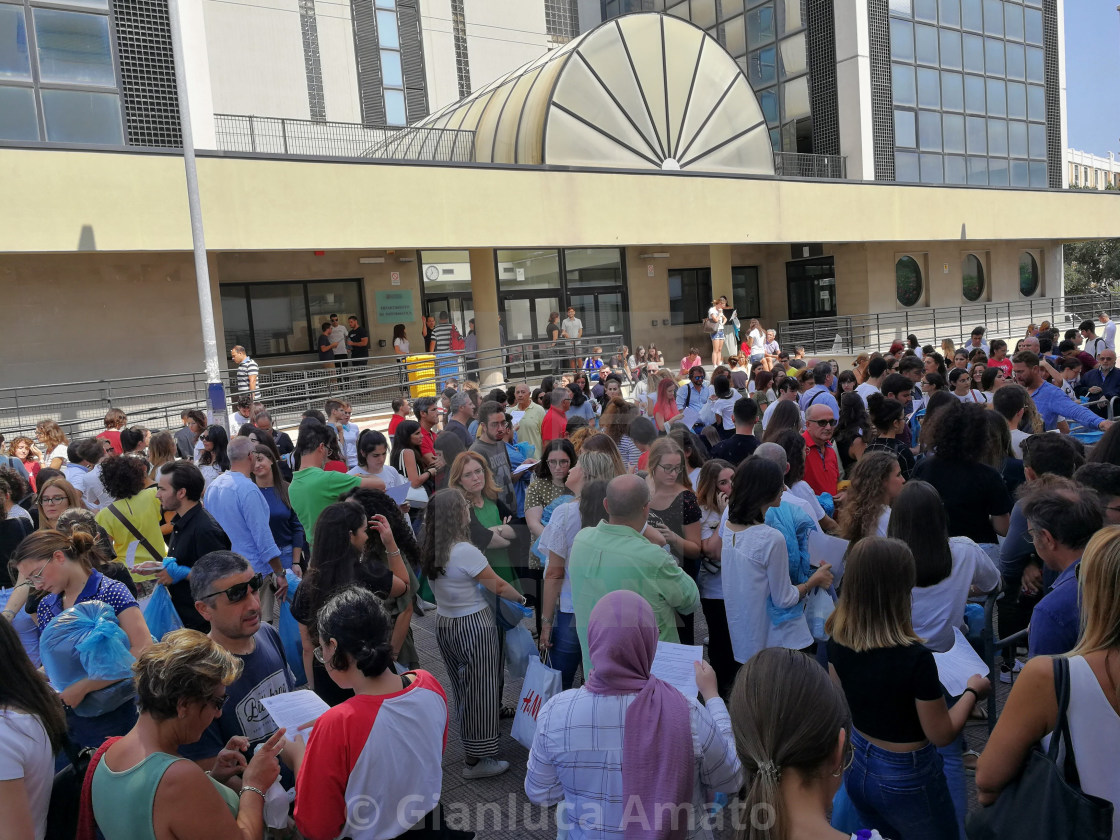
(902, 795)
(566, 654)
(952, 758)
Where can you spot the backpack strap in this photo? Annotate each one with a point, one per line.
(87, 825)
(113, 509)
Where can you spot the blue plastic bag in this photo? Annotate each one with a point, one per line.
(520, 648)
(289, 632)
(508, 614)
(160, 614)
(86, 641)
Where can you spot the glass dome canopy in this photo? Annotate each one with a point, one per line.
(643, 91)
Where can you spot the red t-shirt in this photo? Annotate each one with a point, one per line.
(427, 441)
(114, 438)
(554, 425)
(643, 461)
(1003, 364)
(335, 466)
(394, 421)
(822, 471)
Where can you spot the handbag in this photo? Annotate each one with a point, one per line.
(542, 683)
(710, 326)
(1046, 800)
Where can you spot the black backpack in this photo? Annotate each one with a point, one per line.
(66, 794)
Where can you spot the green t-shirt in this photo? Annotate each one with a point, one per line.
(489, 516)
(312, 489)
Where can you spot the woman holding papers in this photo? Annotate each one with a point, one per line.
(899, 716)
(626, 731)
(142, 789)
(385, 743)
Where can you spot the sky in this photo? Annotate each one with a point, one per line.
(1092, 72)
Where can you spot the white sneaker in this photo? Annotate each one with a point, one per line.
(485, 768)
(1005, 672)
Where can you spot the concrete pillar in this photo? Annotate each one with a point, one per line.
(720, 259)
(484, 288)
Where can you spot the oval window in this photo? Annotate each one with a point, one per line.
(972, 278)
(908, 281)
(1028, 274)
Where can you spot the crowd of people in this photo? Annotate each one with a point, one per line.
(836, 529)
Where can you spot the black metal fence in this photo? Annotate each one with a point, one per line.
(287, 390)
(282, 136)
(846, 334)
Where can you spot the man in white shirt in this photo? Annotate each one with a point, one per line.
(338, 339)
(876, 370)
(1011, 406)
(788, 391)
(84, 472)
(1109, 331)
(338, 415)
(572, 328)
(1093, 344)
(976, 342)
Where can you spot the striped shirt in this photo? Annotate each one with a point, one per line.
(441, 335)
(246, 369)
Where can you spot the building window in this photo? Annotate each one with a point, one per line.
(280, 319)
(392, 74)
(690, 294)
(58, 77)
(908, 281)
(744, 290)
(1028, 274)
(972, 278)
(523, 270)
(1002, 86)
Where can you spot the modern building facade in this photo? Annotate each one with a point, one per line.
(1092, 172)
(633, 171)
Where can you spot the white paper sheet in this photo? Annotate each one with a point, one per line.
(824, 548)
(398, 492)
(957, 664)
(690, 416)
(525, 465)
(516, 414)
(673, 663)
(292, 710)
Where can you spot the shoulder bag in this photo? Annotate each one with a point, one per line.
(1046, 800)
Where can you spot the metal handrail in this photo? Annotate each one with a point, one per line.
(288, 390)
(805, 165)
(848, 334)
(284, 136)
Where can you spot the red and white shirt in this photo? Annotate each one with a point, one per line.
(373, 765)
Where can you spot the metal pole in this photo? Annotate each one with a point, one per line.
(216, 391)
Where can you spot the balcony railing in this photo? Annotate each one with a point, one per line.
(282, 136)
(846, 334)
(800, 165)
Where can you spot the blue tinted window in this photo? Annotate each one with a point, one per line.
(953, 129)
(902, 81)
(929, 131)
(1016, 61)
(955, 172)
(1036, 102)
(906, 167)
(951, 49)
(926, 44)
(993, 56)
(974, 94)
(977, 170)
(997, 98)
(1036, 141)
(972, 15)
(15, 62)
(952, 91)
(905, 133)
(902, 40)
(768, 99)
(929, 88)
(1013, 21)
(1036, 65)
(394, 107)
(976, 135)
(950, 12)
(17, 114)
(77, 117)
(993, 17)
(1033, 28)
(387, 34)
(932, 173)
(974, 53)
(391, 68)
(1016, 100)
(997, 138)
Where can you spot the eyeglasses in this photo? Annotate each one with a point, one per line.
(37, 575)
(239, 591)
(564, 463)
(53, 500)
(218, 702)
(318, 654)
(671, 469)
(498, 424)
(829, 422)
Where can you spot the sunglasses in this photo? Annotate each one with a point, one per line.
(218, 702)
(239, 591)
(829, 422)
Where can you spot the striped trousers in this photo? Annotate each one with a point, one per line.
(469, 646)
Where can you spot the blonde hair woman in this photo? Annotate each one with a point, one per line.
(716, 318)
(1094, 673)
(55, 496)
(54, 442)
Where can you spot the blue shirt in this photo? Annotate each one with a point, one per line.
(690, 397)
(1056, 621)
(818, 395)
(97, 588)
(240, 508)
(1053, 404)
(282, 520)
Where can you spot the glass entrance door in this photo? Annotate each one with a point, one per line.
(460, 306)
(526, 321)
(603, 312)
(811, 287)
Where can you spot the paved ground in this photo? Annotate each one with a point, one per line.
(497, 809)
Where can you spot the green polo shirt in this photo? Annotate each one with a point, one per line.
(312, 489)
(607, 558)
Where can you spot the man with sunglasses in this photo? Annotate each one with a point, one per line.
(226, 593)
(822, 470)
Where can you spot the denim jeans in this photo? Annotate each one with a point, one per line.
(566, 654)
(902, 795)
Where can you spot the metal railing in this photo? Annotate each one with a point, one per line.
(283, 136)
(846, 334)
(285, 390)
(801, 165)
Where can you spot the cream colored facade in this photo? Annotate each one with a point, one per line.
(1090, 171)
(99, 244)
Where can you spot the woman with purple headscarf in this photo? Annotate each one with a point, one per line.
(628, 754)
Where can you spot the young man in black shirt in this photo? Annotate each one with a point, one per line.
(358, 342)
(743, 443)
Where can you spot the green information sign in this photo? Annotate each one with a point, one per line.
(394, 306)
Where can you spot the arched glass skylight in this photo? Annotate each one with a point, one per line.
(643, 91)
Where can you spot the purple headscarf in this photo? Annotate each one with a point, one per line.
(657, 758)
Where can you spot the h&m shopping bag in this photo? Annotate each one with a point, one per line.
(541, 684)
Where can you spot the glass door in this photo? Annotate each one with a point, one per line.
(811, 288)
(526, 319)
(459, 306)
